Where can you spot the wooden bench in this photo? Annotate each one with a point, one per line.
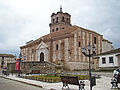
(72, 80)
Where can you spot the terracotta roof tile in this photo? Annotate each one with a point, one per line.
(110, 52)
(68, 30)
(6, 55)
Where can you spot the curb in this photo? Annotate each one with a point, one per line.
(22, 82)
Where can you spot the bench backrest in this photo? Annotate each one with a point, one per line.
(118, 79)
(65, 79)
(70, 80)
(73, 80)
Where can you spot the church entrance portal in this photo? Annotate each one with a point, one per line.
(41, 57)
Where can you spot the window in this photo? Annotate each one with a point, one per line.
(103, 60)
(32, 50)
(52, 30)
(57, 20)
(94, 40)
(62, 19)
(110, 59)
(2, 58)
(56, 29)
(57, 47)
(67, 20)
(53, 21)
(79, 44)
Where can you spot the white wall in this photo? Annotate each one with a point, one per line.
(43, 49)
(106, 46)
(107, 64)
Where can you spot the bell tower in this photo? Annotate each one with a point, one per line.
(59, 21)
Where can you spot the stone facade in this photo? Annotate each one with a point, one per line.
(64, 43)
(27, 67)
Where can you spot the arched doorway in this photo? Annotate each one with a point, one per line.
(41, 57)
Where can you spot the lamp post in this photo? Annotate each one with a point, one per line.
(89, 55)
(20, 56)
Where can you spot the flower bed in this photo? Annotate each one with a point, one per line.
(53, 78)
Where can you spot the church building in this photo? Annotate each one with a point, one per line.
(64, 44)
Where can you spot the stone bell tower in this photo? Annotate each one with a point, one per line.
(59, 21)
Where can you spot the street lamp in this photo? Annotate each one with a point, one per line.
(89, 55)
(20, 56)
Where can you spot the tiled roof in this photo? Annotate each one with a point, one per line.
(107, 41)
(6, 55)
(110, 52)
(68, 30)
(61, 32)
(58, 33)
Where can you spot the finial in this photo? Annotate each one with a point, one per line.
(60, 8)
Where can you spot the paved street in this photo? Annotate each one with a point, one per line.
(102, 83)
(6, 84)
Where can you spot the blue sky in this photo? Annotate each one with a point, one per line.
(25, 20)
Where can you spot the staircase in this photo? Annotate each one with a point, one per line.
(44, 67)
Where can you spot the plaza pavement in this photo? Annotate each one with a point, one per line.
(101, 84)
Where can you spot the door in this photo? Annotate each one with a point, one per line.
(41, 57)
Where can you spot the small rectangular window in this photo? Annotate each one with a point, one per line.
(103, 60)
(79, 44)
(57, 20)
(57, 47)
(62, 19)
(94, 40)
(110, 59)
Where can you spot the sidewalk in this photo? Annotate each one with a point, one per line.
(102, 84)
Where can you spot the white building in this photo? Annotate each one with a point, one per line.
(109, 59)
(5, 59)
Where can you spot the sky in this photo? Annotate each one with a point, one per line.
(25, 20)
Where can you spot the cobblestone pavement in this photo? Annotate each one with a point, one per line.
(6, 84)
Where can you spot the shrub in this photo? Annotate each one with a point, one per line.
(53, 78)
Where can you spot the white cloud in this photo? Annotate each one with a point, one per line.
(23, 20)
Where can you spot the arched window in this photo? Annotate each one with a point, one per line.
(53, 21)
(52, 30)
(63, 19)
(94, 40)
(41, 57)
(57, 47)
(67, 20)
(56, 29)
(57, 20)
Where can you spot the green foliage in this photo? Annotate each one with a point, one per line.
(53, 78)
